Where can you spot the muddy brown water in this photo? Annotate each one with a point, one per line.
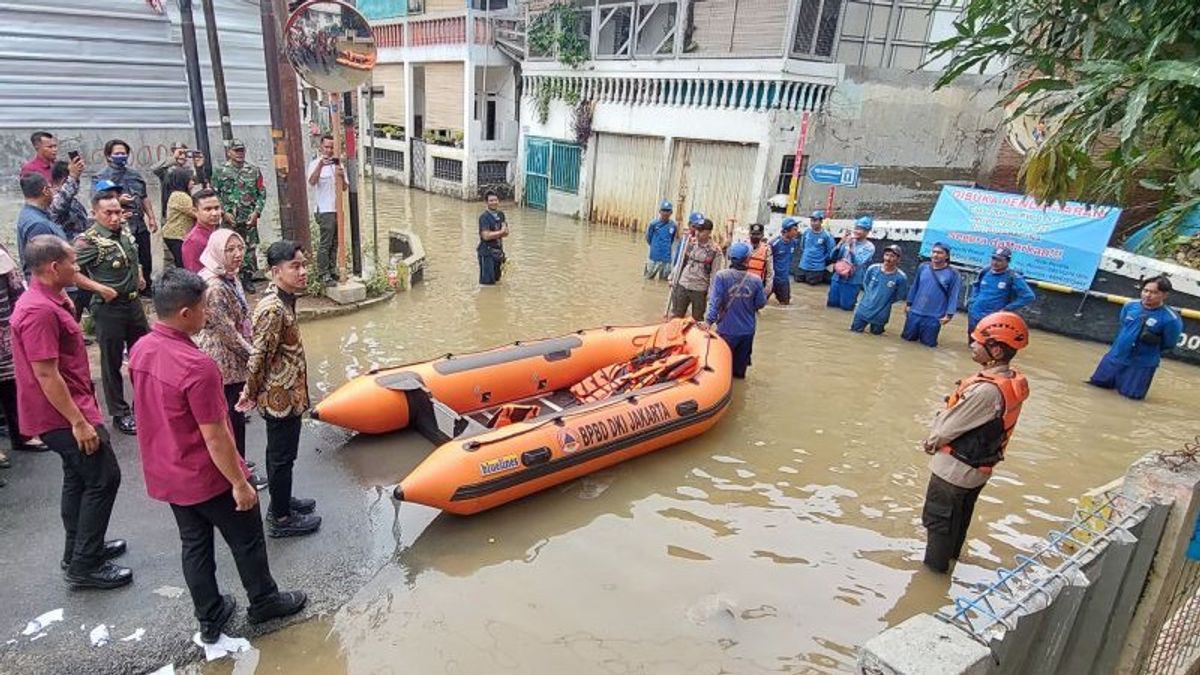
(777, 542)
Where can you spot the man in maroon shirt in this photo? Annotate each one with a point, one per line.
(58, 403)
(191, 462)
(45, 149)
(206, 206)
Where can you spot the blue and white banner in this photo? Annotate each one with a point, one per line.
(1061, 243)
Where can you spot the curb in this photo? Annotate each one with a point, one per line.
(313, 314)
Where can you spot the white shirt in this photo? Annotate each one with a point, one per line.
(326, 188)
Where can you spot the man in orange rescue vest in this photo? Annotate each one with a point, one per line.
(969, 437)
(759, 263)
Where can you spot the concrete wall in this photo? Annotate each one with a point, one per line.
(905, 137)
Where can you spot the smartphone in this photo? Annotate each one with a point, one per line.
(73, 154)
(193, 154)
(335, 160)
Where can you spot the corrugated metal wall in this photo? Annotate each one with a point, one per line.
(626, 181)
(444, 96)
(713, 178)
(389, 108)
(118, 64)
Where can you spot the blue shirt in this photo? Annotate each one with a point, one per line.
(1130, 348)
(32, 222)
(817, 248)
(861, 255)
(998, 291)
(782, 252)
(934, 292)
(734, 301)
(660, 235)
(880, 290)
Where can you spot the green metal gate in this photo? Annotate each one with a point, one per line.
(537, 172)
(550, 165)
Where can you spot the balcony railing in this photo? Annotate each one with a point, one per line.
(417, 32)
(701, 93)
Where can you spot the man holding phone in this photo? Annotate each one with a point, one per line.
(324, 172)
(183, 157)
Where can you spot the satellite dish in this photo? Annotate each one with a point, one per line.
(330, 46)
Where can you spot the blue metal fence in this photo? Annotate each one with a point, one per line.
(550, 165)
(564, 167)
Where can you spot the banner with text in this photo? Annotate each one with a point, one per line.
(1060, 243)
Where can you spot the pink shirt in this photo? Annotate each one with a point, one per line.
(44, 328)
(38, 165)
(177, 388)
(193, 245)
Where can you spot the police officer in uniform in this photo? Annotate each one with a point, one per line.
(109, 257)
(244, 196)
(970, 436)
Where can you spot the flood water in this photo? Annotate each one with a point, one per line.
(777, 542)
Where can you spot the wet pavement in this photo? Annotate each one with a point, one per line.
(774, 543)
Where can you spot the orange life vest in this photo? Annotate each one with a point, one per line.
(623, 377)
(756, 264)
(513, 412)
(984, 446)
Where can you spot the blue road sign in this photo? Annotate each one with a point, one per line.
(841, 175)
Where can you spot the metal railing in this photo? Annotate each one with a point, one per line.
(724, 94)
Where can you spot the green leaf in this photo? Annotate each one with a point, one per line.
(1133, 110)
(1183, 72)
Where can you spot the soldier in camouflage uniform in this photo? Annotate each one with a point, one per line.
(243, 196)
(109, 257)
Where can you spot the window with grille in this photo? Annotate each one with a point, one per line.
(448, 169)
(389, 159)
(785, 173)
(816, 28)
(493, 172)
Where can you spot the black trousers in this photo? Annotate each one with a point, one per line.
(81, 299)
(237, 420)
(327, 247)
(8, 403)
(90, 484)
(142, 237)
(242, 532)
(946, 517)
(118, 326)
(175, 248)
(283, 443)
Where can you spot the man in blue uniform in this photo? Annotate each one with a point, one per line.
(850, 259)
(783, 250)
(816, 248)
(998, 289)
(660, 235)
(932, 298)
(884, 285)
(733, 306)
(1148, 328)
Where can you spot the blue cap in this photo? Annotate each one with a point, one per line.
(818, 215)
(865, 222)
(696, 218)
(666, 206)
(105, 185)
(739, 251)
(789, 224)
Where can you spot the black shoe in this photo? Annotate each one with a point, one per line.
(303, 505)
(112, 549)
(295, 525)
(329, 282)
(250, 465)
(285, 603)
(106, 576)
(32, 445)
(126, 425)
(211, 631)
(258, 481)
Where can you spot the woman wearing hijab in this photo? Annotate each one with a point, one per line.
(226, 333)
(180, 218)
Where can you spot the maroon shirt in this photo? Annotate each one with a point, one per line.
(44, 328)
(178, 388)
(193, 245)
(38, 165)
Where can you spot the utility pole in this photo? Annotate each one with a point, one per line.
(286, 131)
(195, 86)
(218, 70)
(349, 106)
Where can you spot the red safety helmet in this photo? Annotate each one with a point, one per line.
(1006, 328)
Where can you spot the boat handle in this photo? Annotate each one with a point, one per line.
(535, 457)
(686, 408)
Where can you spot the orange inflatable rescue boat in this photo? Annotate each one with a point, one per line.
(517, 419)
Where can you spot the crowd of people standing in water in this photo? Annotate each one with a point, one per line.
(969, 436)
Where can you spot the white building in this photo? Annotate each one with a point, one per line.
(446, 119)
(701, 101)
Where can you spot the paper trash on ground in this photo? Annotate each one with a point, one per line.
(36, 625)
(135, 635)
(223, 646)
(168, 669)
(100, 636)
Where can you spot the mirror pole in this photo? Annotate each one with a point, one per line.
(218, 69)
(349, 109)
(195, 86)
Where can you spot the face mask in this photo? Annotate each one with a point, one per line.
(119, 160)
